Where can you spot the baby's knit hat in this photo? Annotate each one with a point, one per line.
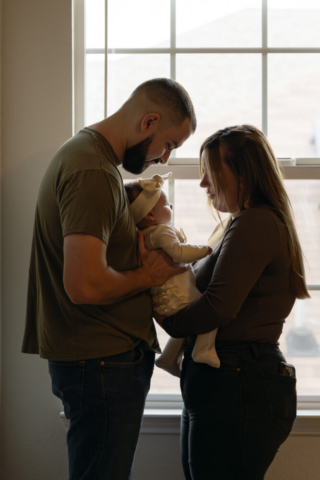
(146, 200)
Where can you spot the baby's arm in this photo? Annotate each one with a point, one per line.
(165, 237)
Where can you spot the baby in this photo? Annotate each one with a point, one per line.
(153, 214)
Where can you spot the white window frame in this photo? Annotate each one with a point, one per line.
(184, 168)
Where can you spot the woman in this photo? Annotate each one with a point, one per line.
(236, 417)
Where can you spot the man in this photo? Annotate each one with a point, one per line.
(89, 308)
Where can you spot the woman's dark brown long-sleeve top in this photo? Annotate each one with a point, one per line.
(245, 282)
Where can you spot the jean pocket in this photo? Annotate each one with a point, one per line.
(127, 359)
(282, 399)
(67, 384)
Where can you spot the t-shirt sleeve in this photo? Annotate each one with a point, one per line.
(250, 244)
(88, 203)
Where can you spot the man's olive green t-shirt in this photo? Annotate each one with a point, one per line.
(82, 192)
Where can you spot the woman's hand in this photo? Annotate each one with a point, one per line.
(158, 318)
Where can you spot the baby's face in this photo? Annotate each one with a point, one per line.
(162, 211)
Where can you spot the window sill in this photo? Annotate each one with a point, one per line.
(157, 421)
(187, 171)
(167, 421)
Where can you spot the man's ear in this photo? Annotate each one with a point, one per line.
(150, 123)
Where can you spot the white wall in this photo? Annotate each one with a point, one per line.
(36, 120)
(0, 206)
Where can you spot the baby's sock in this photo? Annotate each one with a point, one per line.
(205, 351)
(171, 357)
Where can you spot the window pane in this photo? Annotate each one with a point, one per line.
(138, 24)
(301, 335)
(300, 343)
(305, 199)
(293, 23)
(94, 23)
(193, 216)
(212, 23)
(126, 72)
(94, 94)
(161, 381)
(196, 220)
(225, 90)
(294, 87)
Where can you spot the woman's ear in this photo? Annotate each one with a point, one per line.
(150, 123)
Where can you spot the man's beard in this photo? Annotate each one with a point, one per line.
(134, 159)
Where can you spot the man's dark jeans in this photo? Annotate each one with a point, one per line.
(104, 399)
(235, 417)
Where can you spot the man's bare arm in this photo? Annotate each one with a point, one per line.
(89, 280)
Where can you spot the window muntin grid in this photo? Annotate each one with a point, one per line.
(174, 50)
(186, 167)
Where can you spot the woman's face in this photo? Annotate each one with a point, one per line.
(227, 200)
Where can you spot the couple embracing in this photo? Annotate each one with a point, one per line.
(89, 310)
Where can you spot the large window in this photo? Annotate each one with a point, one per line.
(242, 61)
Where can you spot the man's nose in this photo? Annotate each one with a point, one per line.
(164, 158)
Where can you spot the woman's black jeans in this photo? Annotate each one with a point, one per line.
(235, 417)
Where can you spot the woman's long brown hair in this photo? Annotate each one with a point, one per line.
(249, 155)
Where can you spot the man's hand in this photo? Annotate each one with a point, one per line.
(156, 264)
(89, 280)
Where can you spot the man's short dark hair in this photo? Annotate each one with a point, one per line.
(172, 95)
